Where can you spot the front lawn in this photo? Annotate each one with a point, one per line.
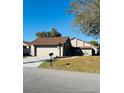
(89, 64)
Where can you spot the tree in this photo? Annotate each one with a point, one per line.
(38, 34)
(48, 34)
(41, 34)
(52, 33)
(94, 43)
(55, 33)
(87, 16)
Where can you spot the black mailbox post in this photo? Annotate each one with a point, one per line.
(51, 54)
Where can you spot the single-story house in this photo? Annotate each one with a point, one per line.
(26, 48)
(59, 46)
(82, 47)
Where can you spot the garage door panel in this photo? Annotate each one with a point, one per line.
(44, 51)
(87, 51)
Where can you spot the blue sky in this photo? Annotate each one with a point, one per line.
(42, 15)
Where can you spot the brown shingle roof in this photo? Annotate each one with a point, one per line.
(84, 47)
(50, 41)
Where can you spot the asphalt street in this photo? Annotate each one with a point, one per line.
(37, 80)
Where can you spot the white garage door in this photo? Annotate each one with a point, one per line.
(45, 50)
(87, 51)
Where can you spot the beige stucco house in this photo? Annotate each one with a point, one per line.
(59, 46)
(85, 47)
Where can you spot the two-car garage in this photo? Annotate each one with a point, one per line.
(45, 50)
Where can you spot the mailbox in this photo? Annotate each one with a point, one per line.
(50, 54)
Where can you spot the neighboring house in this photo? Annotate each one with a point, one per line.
(26, 48)
(59, 46)
(81, 47)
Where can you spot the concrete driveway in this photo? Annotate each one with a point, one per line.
(34, 61)
(31, 59)
(34, 65)
(37, 80)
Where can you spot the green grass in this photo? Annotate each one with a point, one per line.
(90, 64)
